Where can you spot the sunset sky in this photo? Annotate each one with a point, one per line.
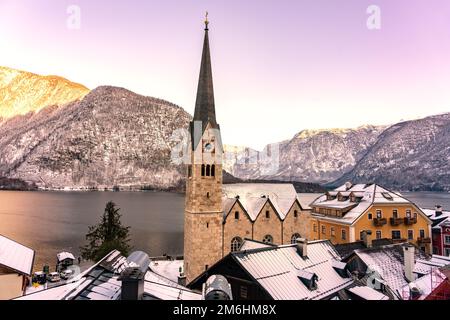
(279, 66)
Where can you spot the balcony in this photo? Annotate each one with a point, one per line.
(423, 240)
(396, 221)
(410, 221)
(399, 241)
(379, 222)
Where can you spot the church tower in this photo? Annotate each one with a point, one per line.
(203, 208)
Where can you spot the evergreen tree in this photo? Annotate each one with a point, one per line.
(107, 236)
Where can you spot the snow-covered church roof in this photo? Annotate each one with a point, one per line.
(253, 197)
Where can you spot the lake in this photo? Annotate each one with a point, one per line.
(50, 222)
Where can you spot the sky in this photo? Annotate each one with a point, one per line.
(279, 66)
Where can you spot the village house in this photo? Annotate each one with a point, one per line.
(343, 214)
(440, 230)
(16, 265)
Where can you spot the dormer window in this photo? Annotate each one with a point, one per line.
(308, 279)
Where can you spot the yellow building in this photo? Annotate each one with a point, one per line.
(342, 215)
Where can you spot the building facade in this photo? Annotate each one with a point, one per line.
(218, 218)
(342, 215)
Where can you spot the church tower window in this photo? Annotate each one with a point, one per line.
(203, 170)
(213, 170)
(236, 215)
(268, 239)
(294, 238)
(208, 170)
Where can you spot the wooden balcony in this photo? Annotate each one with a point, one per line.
(423, 240)
(379, 222)
(410, 221)
(399, 240)
(396, 221)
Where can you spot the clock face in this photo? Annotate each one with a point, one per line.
(209, 147)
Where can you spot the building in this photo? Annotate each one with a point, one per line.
(440, 230)
(301, 271)
(16, 265)
(218, 217)
(343, 214)
(64, 260)
(392, 268)
(116, 277)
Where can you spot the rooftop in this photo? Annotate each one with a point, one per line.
(16, 256)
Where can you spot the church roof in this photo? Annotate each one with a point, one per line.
(204, 106)
(253, 197)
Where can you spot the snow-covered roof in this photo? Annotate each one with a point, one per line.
(438, 220)
(277, 268)
(388, 261)
(252, 244)
(16, 256)
(425, 284)
(64, 255)
(368, 293)
(101, 282)
(169, 269)
(253, 197)
(368, 195)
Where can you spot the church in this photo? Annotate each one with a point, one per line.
(219, 217)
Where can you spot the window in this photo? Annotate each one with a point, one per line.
(410, 234)
(447, 239)
(236, 244)
(236, 215)
(435, 250)
(189, 171)
(422, 233)
(324, 230)
(447, 252)
(361, 235)
(332, 232)
(343, 234)
(395, 213)
(213, 170)
(206, 267)
(378, 234)
(294, 238)
(267, 214)
(203, 170)
(295, 214)
(208, 170)
(369, 216)
(379, 215)
(207, 225)
(243, 292)
(315, 227)
(408, 213)
(268, 239)
(207, 195)
(396, 234)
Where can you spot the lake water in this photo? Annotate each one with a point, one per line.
(50, 222)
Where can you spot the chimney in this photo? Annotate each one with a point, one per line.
(132, 284)
(408, 254)
(181, 277)
(217, 287)
(414, 292)
(367, 238)
(438, 210)
(302, 247)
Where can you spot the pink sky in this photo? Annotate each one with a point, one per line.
(279, 66)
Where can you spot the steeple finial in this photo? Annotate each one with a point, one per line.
(206, 21)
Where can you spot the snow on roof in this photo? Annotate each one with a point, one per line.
(167, 268)
(253, 196)
(305, 199)
(276, 270)
(16, 256)
(424, 266)
(388, 262)
(64, 255)
(438, 220)
(101, 282)
(368, 293)
(368, 194)
(425, 284)
(251, 244)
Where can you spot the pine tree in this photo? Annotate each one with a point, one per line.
(107, 236)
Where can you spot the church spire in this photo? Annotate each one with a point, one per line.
(204, 106)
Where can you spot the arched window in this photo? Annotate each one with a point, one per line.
(236, 244)
(213, 170)
(208, 170)
(268, 239)
(203, 170)
(294, 238)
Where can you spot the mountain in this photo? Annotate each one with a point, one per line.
(112, 137)
(318, 156)
(23, 92)
(411, 155)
